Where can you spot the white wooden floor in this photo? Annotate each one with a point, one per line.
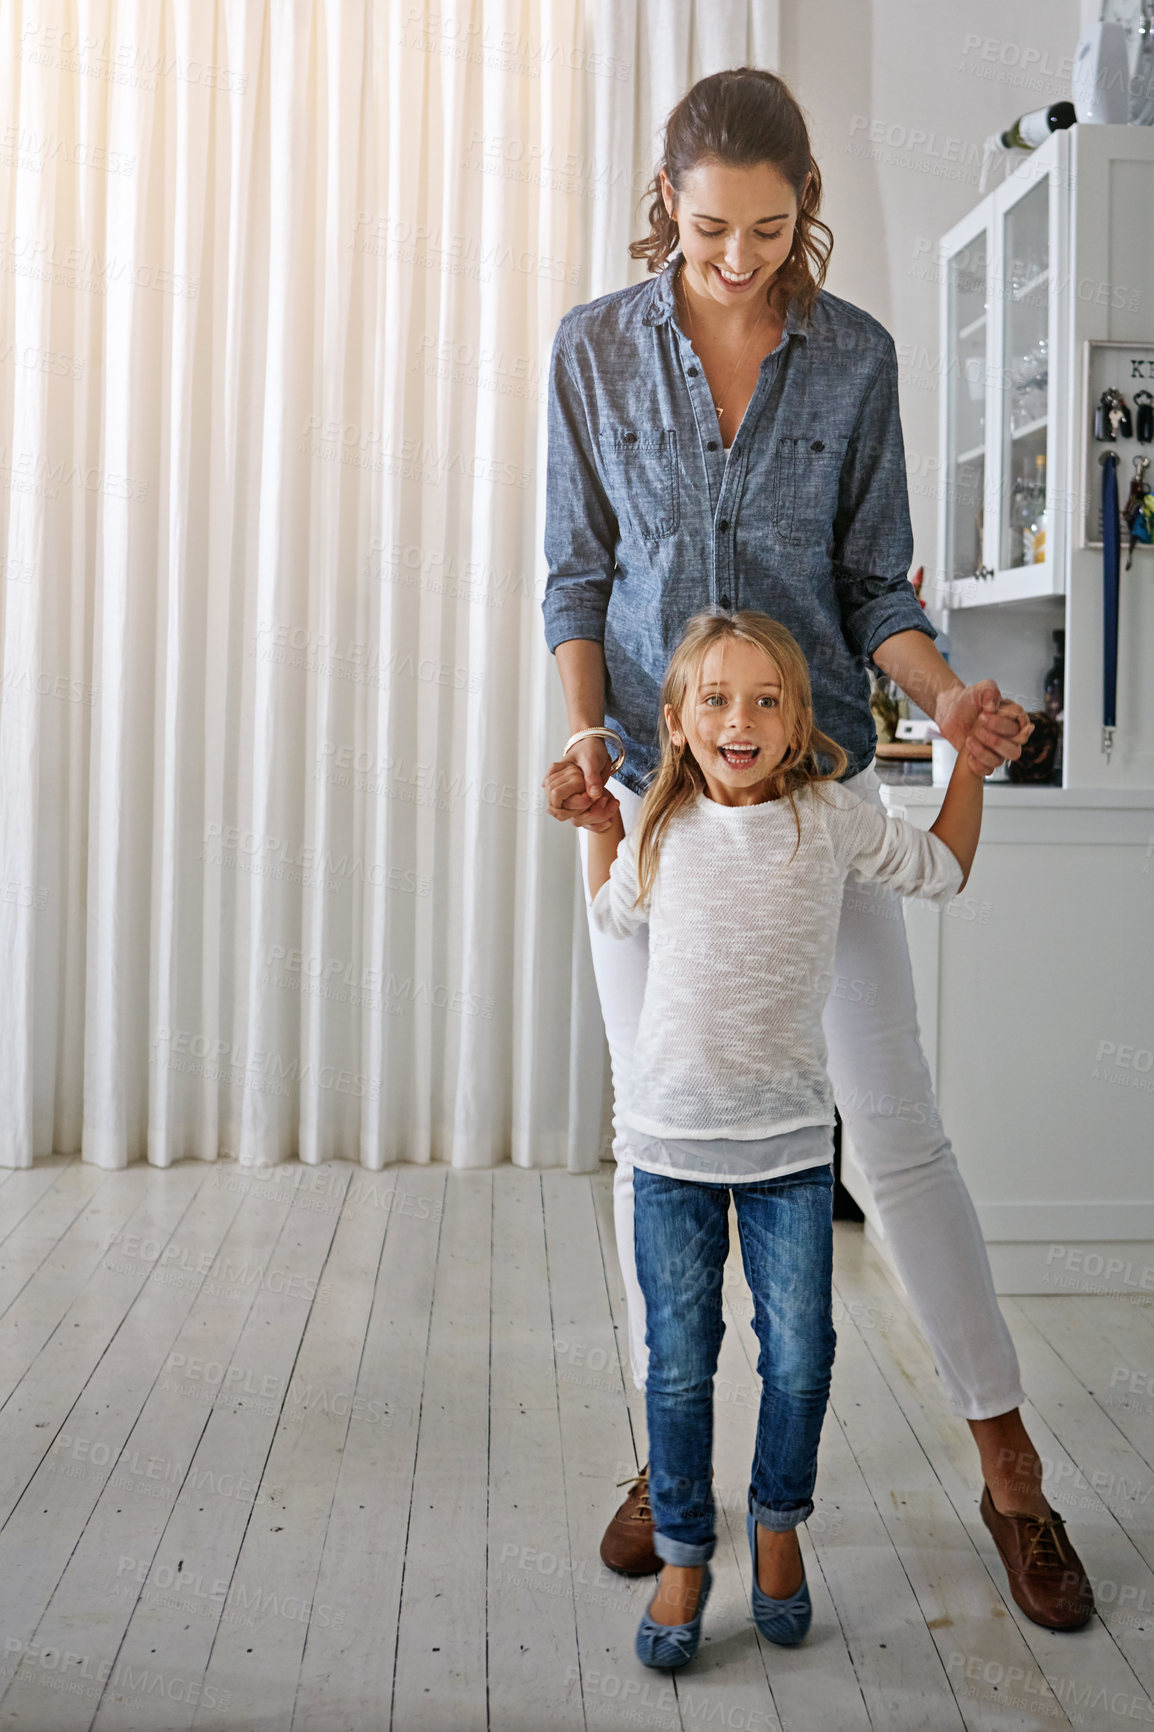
(333, 1450)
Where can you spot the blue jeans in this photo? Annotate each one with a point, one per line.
(681, 1238)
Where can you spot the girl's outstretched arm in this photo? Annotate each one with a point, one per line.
(603, 846)
(959, 823)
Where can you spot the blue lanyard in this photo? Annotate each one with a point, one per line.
(1111, 561)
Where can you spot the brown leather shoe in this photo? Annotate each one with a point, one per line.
(628, 1543)
(1046, 1575)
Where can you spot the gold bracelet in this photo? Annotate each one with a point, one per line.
(602, 733)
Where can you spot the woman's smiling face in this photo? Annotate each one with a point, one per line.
(735, 226)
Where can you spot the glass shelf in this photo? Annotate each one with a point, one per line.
(1027, 288)
(1025, 369)
(1001, 277)
(968, 291)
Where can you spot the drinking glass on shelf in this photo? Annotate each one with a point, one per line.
(1029, 379)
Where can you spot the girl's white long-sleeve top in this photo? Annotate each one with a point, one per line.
(741, 948)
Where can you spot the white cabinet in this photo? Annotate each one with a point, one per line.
(1036, 1011)
(1003, 281)
(1054, 263)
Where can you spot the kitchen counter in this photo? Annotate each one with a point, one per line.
(1000, 795)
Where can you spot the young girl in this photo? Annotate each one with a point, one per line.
(738, 860)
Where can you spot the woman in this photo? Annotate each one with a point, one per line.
(728, 434)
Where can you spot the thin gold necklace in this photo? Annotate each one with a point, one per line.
(693, 339)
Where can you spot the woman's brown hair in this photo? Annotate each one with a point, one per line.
(743, 118)
(678, 778)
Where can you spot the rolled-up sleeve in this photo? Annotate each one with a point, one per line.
(873, 539)
(580, 525)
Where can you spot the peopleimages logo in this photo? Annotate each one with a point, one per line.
(227, 1061)
(77, 267)
(372, 988)
(119, 61)
(486, 43)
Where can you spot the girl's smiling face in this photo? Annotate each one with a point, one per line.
(735, 227)
(737, 703)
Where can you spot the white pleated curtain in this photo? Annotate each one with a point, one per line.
(279, 283)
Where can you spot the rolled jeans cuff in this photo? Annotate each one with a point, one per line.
(779, 1521)
(681, 1552)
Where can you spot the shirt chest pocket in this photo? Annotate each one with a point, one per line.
(807, 472)
(641, 469)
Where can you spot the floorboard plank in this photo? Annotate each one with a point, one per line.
(26, 1189)
(97, 1484)
(54, 1339)
(534, 1587)
(189, 1594)
(346, 1678)
(108, 1215)
(272, 1599)
(441, 1676)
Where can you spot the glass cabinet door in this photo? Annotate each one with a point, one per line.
(1025, 372)
(967, 322)
(1002, 441)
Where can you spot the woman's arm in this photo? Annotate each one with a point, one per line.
(977, 720)
(581, 535)
(959, 823)
(582, 797)
(581, 664)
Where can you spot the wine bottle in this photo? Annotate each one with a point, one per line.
(1054, 700)
(1054, 686)
(1040, 516)
(1033, 129)
(1020, 515)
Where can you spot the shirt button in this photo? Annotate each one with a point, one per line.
(631, 439)
(725, 601)
(723, 525)
(711, 444)
(692, 371)
(818, 445)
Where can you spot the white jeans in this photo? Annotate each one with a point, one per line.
(883, 1092)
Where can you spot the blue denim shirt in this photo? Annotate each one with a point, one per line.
(649, 519)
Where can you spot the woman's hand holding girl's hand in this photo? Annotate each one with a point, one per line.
(575, 786)
(983, 724)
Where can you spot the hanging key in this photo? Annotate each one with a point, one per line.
(1144, 417)
(1132, 511)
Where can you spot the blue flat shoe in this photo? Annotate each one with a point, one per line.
(668, 1646)
(782, 1621)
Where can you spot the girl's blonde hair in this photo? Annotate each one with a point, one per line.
(678, 778)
